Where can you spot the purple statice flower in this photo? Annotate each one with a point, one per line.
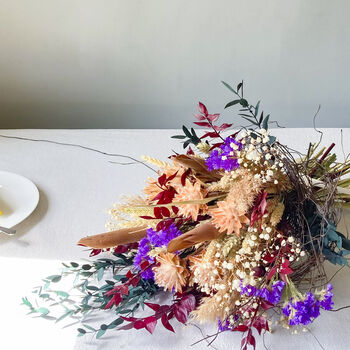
(142, 255)
(153, 239)
(272, 295)
(163, 237)
(224, 326)
(226, 157)
(304, 311)
(327, 302)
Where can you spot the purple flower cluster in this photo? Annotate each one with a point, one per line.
(272, 295)
(306, 310)
(226, 157)
(224, 326)
(327, 302)
(153, 239)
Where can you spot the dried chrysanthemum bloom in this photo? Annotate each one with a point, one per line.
(170, 274)
(190, 192)
(227, 218)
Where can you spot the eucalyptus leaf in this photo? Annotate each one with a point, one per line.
(266, 122)
(100, 273)
(66, 314)
(232, 103)
(229, 87)
(100, 333)
(181, 137)
(186, 131)
(244, 102)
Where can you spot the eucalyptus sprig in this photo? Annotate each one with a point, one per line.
(92, 297)
(248, 111)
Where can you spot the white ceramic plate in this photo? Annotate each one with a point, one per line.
(18, 198)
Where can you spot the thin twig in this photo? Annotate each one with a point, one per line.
(79, 146)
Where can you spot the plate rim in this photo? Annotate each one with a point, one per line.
(34, 186)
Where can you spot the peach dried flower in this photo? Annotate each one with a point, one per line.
(170, 274)
(190, 192)
(227, 218)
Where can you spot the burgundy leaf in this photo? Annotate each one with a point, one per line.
(241, 328)
(180, 313)
(190, 150)
(150, 323)
(128, 319)
(124, 289)
(171, 177)
(202, 109)
(95, 252)
(162, 180)
(199, 116)
(166, 323)
(146, 217)
(205, 124)
(222, 127)
(271, 273)
(164, 224)
(117, 299)
(259, 208)
(189, 302)
(144, 265)
(120, 249)
(175, 209)
(244, 343)
(139, 324)
(215, 145)
(261, 323)
(213, 117)
(158, 196)
(266, 305)
(251, 340)
(225, 126)
(184, 176)
(165, 212)
(110, 303)
(158, 213)
(127, 326)
(154, 307)
(210, 134)
(135, 281)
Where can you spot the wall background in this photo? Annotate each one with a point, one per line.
(145, 63)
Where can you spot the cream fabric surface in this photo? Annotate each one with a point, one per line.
(77, 187)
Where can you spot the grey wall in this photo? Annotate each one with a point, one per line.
(145, 63)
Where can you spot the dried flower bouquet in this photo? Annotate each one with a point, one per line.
(235, 229)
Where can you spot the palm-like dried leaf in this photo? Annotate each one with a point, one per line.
(203, 232)
(114, 238)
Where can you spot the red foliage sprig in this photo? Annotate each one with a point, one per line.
(258, 322)
(180, 309)
(207, 120)
(117, 292)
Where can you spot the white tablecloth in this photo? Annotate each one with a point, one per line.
(77, 187)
